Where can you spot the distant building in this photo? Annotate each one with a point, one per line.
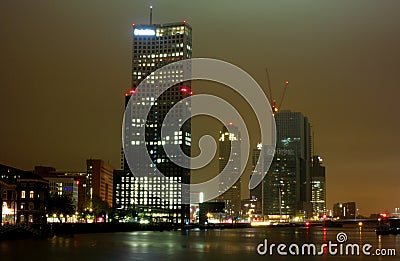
(61, 183)
(80, 180)
(396, 213)
(23, 195)
(346, 210)
(318, 187)
(257, 192)
(286, 188)
(99, 180)
(251, 206)
(64, 186)
(230, 140)
(206, 209)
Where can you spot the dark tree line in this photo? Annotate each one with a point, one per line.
(60, 204)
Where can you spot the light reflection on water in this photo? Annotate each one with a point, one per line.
(234, 244)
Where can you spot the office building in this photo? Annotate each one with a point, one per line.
(64, 186)
(80, 180)
(257, 192)
(229, 140)
(99, 180)
(318, 187)
(345, 210)
(286, 188)
(71, 183)
(154, 46)
(126, 190)
(250, 207)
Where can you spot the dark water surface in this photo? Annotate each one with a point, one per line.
(228, 244)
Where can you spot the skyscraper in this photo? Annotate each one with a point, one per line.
(229, 140)
(160, 198)
(258, 191)
(287, 185)
(318, 187)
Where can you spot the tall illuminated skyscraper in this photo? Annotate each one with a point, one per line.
(318, 186)
(286, 188)
(158, 198)
(229, 140)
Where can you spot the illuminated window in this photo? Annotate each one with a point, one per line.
(23, 194)
(31, 194)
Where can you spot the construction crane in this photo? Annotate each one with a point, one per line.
(274, 106)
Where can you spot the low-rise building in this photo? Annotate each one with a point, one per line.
(71, 183)
(346, 210)
(23, 195)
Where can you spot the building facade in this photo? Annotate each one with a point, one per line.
(126, 189)
(250, 207)
(80, 180)
(9, 207)
(229, 140)
(24, 196)
(286, 188)
(154, 46)
(345, 210)
(99, 180)
(318, 187)
(64, 186)
(71, 183)
(258, 192)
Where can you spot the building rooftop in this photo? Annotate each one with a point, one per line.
(11, 175)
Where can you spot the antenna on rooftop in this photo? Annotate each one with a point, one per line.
(151, 14)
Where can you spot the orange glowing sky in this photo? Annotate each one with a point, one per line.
(65, 67)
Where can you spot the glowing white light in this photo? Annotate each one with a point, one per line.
(144, 32)
(201, 197)
(260, 223)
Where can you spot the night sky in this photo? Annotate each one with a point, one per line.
(65, 66)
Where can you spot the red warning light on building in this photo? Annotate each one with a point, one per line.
(131, 91)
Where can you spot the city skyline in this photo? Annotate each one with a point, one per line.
(340, 62)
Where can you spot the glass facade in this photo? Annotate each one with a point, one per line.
(286, 188)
